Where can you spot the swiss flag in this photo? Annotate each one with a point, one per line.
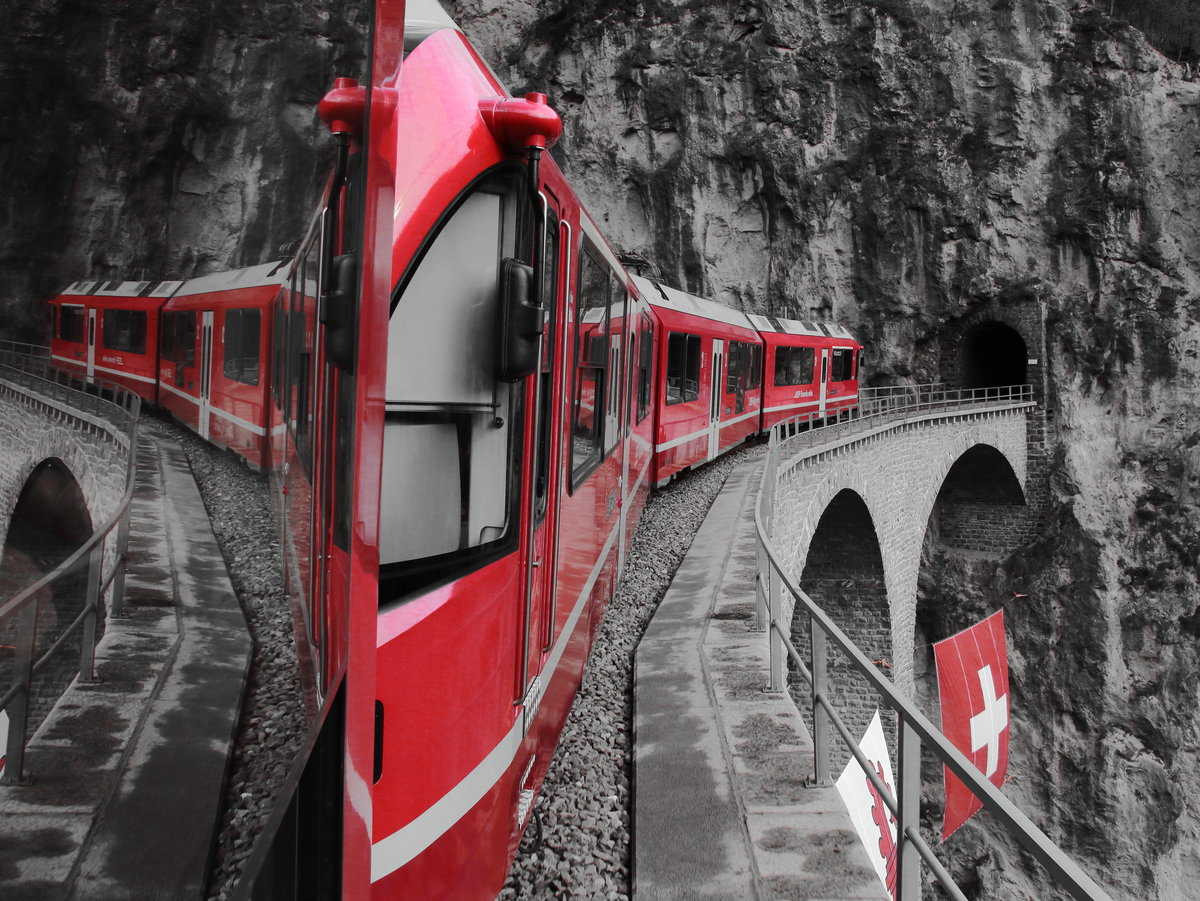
(972, 669)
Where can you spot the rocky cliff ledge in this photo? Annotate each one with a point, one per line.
(912, 167)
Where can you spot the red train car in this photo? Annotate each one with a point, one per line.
(109, 330)
(463, 419)
(214, 351)
(812, 369)
(709, 386)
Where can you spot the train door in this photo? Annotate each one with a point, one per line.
(545, 484)
(91, 344)
(824, 384)
(206, 355)
(714, 409)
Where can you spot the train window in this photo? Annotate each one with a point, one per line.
(546, 385)
(794, 365)
(683, 368)
(301, 330)
(70, 323)
(591, 365)
(451, 430)
(178, 338)
(616, 374)
(243, 329)
(645, 363)
(124, 330)
(736, 370)
(754, 379)
(276, 374)
(842, 367)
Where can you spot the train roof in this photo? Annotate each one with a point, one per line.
(155, 291)
(665, 297)
(800, 327)
(234, 279)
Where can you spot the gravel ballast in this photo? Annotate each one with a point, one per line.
(579, 846)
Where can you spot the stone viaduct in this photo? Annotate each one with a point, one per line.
(39, 432)
(854, 514)
(63, 471)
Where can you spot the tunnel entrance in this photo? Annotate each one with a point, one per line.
(49, 522)
(843, 574)
(993, 355)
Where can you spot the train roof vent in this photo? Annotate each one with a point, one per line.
(776, 324)
(810, 326)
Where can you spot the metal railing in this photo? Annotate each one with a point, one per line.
(879, 407)
(98, 405)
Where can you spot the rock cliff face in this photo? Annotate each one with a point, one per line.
(911, 167)
(158, 140)
(907, 167)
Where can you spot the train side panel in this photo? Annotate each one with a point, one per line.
(109, 331)
(708, 390)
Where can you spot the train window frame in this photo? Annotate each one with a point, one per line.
(177, 337)
(402, 580)
(645, 366)
(806, 365)
(123, 330)
(544, 436)
(683, 356)
(241, 344)
(71, 327)
(841, 364)
(586, 454)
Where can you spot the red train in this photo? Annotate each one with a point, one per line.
(463, 400)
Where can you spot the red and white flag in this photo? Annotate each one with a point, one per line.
(3, 739)
(972, 669)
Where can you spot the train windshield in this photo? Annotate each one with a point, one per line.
(451, 425)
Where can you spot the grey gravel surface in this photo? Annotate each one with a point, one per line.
(580, 846)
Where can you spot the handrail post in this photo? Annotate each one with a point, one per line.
(908, 863)
(18, 708)
(820, 683)
(118, 584)
(87, 643)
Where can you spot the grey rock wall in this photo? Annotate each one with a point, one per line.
(903, 166)
(159, 140)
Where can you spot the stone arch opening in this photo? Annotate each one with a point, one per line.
(843, 574)
(981, 506)
(49, 522)
(994, 355)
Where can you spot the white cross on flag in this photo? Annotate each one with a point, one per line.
(972, 669)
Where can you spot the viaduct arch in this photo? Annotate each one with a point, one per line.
(852, 517)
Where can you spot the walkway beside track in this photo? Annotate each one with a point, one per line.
(722, 805)
(127, 774)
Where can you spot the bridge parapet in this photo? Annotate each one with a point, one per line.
(85, 437)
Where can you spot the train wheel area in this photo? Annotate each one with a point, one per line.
(126, 775)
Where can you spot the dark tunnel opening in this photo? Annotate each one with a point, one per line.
(993, 355)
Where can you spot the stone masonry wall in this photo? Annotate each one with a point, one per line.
(897, 471)
(32, 430)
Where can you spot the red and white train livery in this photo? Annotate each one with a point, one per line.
(465, 400)
(109, 330)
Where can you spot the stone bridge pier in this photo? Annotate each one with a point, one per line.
(852, 517)
(63, 473)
